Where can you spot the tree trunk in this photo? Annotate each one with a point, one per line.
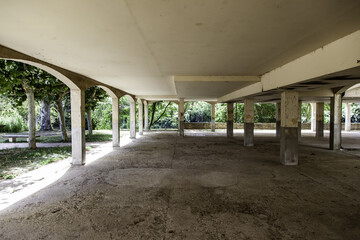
(31, 111)
(89, 121)
(60, 109)
(153, 114)
(45, 116)
(161, 114)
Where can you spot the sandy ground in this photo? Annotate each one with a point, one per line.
(203, 186)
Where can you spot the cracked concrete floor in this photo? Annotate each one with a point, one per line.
(203, 186)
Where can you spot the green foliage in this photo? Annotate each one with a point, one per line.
(197, 112)
(265, 112)
(221, 112)
(14, 118)
(98, 137)
(161, 118)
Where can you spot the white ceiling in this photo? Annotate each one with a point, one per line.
(139, 45)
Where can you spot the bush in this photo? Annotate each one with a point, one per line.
(13, 124)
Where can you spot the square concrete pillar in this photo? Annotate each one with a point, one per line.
(213, 117)
(319, 130)
(248, 122)
(278, 119)
(335, 121)
(115, 123)
(347, 116)
(132, 118)
(78, 126)
(230, 120)
(313, 116)
(289, 128)
(299, 120)
(181, 117)
(146, 116)
(141, 118)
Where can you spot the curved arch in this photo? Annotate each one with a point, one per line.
(108, 91)
(50, 70)
(130, 98)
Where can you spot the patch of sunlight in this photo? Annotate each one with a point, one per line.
(14, 190)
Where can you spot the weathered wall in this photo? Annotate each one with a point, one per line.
(307, 126)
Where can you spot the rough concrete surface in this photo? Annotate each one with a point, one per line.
(201, 186)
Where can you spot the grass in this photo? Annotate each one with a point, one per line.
(95, 137)
(14, 162)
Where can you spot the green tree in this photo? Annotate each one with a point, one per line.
(93, 96)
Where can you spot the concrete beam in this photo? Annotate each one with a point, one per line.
(217, 78)
(115, 122)
(337, 56)
(289, 128)
(78, 126)
(243, 92)
(327, 92)
(335, 122)
(248, 122)
(230, 120)
(71, 79)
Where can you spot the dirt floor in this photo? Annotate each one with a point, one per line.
(203, 186)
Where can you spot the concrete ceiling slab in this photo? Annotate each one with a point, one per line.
(139, 46)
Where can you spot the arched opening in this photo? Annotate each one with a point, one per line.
(77, 101)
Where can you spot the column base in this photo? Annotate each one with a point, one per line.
(278, 126)
(248, 134)
(78, 146)
(230, 128)
(335, 136)
(213, 126)
(289, 146)
(181, 129)
(319, 129)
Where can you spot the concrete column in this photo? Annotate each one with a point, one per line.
(115, 122)
(289, 128)
(230, 120)
(335, 121)
(319, 119)
(213, 117)
(248, 122)
(141, 118)
(347, 116)
(78, 126)
(181, 117)
(313, 117)
(132, 118)
(299, 119)
(278, 119)
(146, 116)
